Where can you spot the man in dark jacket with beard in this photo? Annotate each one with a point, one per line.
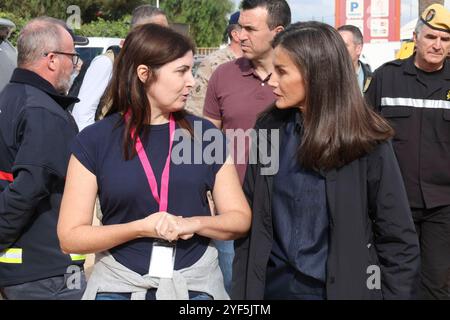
(35, 136)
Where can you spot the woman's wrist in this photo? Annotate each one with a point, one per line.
(193, 225)
(138, 229)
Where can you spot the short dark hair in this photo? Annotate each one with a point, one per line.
(145, 11)
(279, 12)
(230, 29)
(357, 35)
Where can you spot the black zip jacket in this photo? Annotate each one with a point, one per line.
(368, 75)
(370, 227)
(35, 136)
(418, 108)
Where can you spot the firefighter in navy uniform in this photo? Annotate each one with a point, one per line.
(35, 136)
(414, 95)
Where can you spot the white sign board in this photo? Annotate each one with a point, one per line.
(379, 8)
(379, 28)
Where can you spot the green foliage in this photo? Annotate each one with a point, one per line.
(18, 21)
(90, 9)
(207, 18)
(35, 8)
(97, 28)
(103, 28)
(115, 10)
(108, 18)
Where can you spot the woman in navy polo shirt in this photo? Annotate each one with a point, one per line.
(154, 241)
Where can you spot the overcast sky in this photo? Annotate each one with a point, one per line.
(323, 10)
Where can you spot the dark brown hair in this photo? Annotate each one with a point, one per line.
(356, 33)
(278, 11)
(338, 125)
(154, 46)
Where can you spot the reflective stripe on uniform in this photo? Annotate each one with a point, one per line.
(415, 103)
(13, 255)
(77, 257)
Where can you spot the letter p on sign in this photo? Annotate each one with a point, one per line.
(355, 9)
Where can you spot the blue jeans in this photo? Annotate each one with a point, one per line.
(226, 256)
(193, 295)
(54, 288)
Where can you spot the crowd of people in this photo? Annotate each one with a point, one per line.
(357, 208)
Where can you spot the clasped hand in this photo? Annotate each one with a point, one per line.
(170, 227)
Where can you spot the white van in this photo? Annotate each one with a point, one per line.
(96, 46)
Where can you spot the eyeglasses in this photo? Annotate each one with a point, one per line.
(75, 56)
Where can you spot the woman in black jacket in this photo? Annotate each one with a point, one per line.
(333, 221)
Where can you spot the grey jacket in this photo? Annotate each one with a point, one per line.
(203, 276)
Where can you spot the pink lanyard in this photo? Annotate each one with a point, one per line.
(163, 201)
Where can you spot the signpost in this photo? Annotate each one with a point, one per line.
(378, 20)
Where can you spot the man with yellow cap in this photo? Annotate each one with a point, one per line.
(414, 95)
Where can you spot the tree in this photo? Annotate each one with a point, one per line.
(207, 18)
(18, 21)
(115, 10)
(90, 9)
(423, 4)
(35, 8)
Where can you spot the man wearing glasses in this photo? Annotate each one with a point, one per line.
(35, 136)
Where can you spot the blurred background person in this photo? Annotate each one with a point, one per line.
(8, 54)
(210, 63)
(354, 42)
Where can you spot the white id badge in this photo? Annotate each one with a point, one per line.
(162, 259)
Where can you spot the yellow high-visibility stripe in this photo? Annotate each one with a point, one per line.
(77, 257)
(12, 255)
